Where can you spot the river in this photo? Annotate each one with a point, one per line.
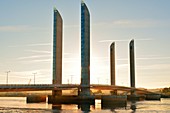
(19, 105)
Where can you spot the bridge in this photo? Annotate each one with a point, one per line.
(56, 87)
(45, 87)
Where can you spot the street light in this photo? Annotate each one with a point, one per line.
(107, 81)
(7, 76)
(34, 77)
(71, 78)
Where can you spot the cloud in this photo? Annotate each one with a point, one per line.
(146, 58)
(99, 59)
(128, 23)
(121, 59)
(33, 57)
(40, 44)
(44, 56)
(37, 60)
(46, 60)
(155, 67)
(16, 28)
(144, 39)
(39, 51)
(103, 41)
(106, 59)
(71, 26)
(20, 28)
(68, 53)
(43, 60)
(32, 45)
(136, 23)
(153, 58)
(122, 66)
(125, 40)
(69, 60)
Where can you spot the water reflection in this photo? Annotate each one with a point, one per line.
(85, 107)
(18, 104)
(133, 106)
(114, 105)
(56, 108)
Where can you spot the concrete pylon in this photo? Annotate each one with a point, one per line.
(57, 51)
(132, 63)
(112, 64)
(85, 50)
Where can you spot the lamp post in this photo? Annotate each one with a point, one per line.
(7, 72)
(34, 77)
(107, 80)
(71, 78)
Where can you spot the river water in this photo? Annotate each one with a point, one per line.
(19, 105)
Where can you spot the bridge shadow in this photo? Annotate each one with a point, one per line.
(85, 107)
(113, 106)
(56, 108)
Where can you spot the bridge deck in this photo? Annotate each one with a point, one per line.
(42, 87)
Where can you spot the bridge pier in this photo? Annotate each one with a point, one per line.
(62, 99)
(56, 92)
(134, 97)
(113, 101)
(113, 92)
(79, 91)
(153, 96)
(35, 99)
(71, 99)
(57, 51)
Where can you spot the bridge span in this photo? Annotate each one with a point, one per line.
(44, 87)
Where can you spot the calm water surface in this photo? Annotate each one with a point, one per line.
(19, 105)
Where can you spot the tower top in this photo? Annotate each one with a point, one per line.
(55, 9)
(131, 44)
(132, 41)
(112, 44)
(82, 1)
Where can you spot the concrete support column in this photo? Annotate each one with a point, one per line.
(132, 65)
(85, 50)
(57, 51)
(79, 91)
(112, 64)
(56, 92)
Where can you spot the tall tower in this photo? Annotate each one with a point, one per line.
(132, 63)
(112, 63)
(57, 50)
(85, 50)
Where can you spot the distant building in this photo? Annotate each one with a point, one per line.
(85, 49)
(57, 50)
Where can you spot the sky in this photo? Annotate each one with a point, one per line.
(26, 32)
